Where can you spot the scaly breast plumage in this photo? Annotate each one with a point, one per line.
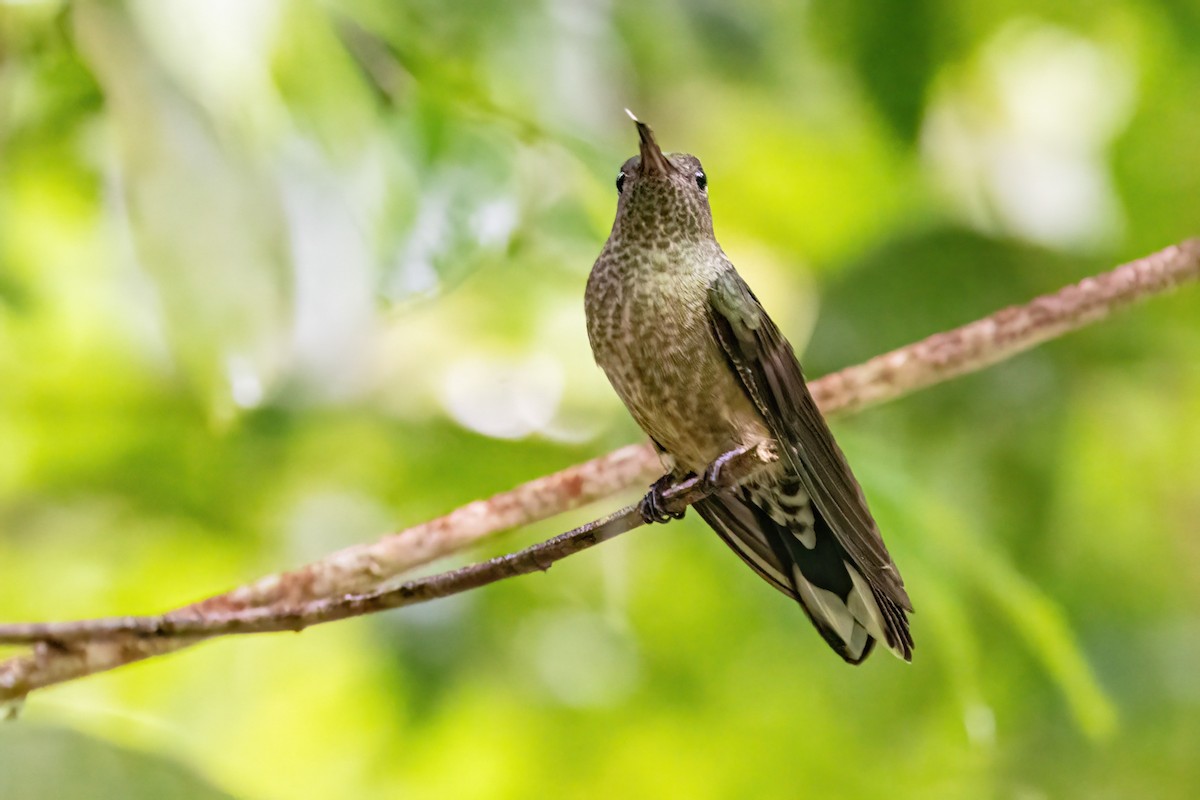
(653, 339)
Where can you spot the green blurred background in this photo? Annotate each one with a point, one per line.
(277, 277)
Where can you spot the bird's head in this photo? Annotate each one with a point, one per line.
(662, 198)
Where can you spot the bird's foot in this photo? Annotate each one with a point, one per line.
(711, 482)
(653, 507)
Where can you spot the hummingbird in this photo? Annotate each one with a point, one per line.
(704, 371)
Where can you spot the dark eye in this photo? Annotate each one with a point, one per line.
(701, 179)
(620, 182)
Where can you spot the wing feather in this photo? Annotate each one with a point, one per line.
(772, 378)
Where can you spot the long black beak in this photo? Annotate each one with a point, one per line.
(653, 160)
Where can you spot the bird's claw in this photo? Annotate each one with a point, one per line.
(711, 480)
(653, 507)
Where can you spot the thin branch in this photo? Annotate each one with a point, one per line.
(358, 569)
(354, 569)
(739, 464)
(1007, 332)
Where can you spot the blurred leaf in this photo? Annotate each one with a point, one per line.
(1032, 613)
(891, 45)
(1041, 622)
(40, 763)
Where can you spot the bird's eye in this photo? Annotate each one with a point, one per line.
(701, 179)
(620, 182)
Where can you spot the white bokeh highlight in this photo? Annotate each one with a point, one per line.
(1018, 138)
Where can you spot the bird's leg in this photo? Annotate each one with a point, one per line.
(653, 505)
(711, 481)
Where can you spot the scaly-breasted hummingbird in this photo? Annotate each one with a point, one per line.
(704, 371)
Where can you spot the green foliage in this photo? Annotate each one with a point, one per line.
(32, 761)
(279, 277)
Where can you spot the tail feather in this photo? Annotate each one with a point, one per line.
(783, 537)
